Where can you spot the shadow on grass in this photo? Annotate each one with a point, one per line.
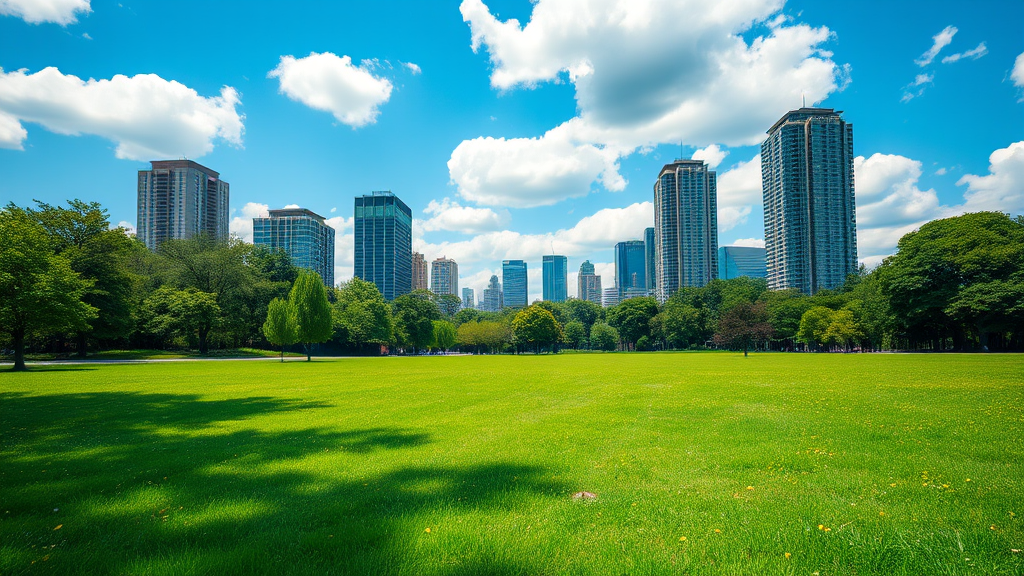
(9, 368)
(115, 483)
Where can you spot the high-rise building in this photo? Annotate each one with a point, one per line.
(444, 277)
(650, 258)
(492, 298)
(736, 261)
(419, 272)
(810, 221)
(468, 298)
(180, 199)
(630, 267)
(588, 284)
(555, 274)
(685, 226)
(383, 243)
(610, 296)
(516, 283)
(303, 235)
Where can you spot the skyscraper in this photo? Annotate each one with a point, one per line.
(588, 284)
(303, 235)
(630, 268)
(610, 297)
(468, 298)
(515, 281)
(419, 272)
(444, 277)
(179, 199)
(810, 222)
(650, 254)
(685, 226)
(736, 261)
(492, 298)
(554, 270)
(383, 243)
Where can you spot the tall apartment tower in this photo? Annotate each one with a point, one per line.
(444, 277)
(468, 298)
(650, 258)
(630, 269)
(180, 199)
(303, 234)
(515, 280)
(419, 272)
(383, 243)
(555, 275)
(588, 284)
(492, 297)
(736, 261)
(685, 226)
(810, 221)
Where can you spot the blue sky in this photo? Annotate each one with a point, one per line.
(542, 134)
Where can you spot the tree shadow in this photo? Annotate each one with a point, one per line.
(33, 368)
(123, 482)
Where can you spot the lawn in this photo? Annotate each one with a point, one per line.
(701, 463)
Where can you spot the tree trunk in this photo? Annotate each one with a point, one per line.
(83, 344)
(309, 351)
(982, 338)
(202, 341)
(282, 353)
(19, 348)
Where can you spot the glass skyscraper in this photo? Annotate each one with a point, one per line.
(492, 300)
(444, 277)
(588, 284)
(736, 261)
(468, 298)
(685, 226)
(555, 273)
(650, 257)
(303, 235)
(516, 283)
(383, 243)
(630, 269)
(810, 221)
(179, 199)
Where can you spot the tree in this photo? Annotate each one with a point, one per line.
(583, 311)
(575, 334)
(362, 316)
(557, 310)
(281, 327)
(312, 311)
(632, 318)
(188, 312)
(444, 335)
(682, 325)
(535, 327)
(744, 326)
(414, 315)
(843, 329)
(813, 325)
(40, 292)
(995, 306)
(603, 337)
(448, 304)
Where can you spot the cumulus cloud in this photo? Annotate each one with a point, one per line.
(637, 87)
(739, 192)
(939, 41)
(974, 54)
(1017, 74)
(344, 247)
(241, 225)
(749, 242)
(712, 155)
(450, 216)
(61, 12)
(148, 117)
(129, 228)
(414, 68)
(1003, 187)
(917, 87)
(333, 84)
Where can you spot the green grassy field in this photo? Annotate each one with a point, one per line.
(702, 463)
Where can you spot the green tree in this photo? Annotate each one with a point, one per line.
(682, 325)
(535, 327)
(583, 311)
(744, 326)
(813, 325)
(41, 292)
(448, 304)
(281, 327)
(575, 334)
(414, 315)
(557, 310)
(189, 312)
(466, 315)
(785, 309)
(444, 335)
(312, 310)
(362, 316)
(603, 337)
(632, 318)
(843, 330)
(995, 306)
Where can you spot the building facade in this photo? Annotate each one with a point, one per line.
(419, 272)
(383, 243)
(179, 199)
(468, 298)
(444, 277)
(555, 277)
(810, 221)
(685, 226)
(610, 296)
(492, 298)
(516, 283)
(736, 261)
(630, 267)
(588, 284)
(650, 259)
(303, 234)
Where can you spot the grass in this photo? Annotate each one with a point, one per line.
(155, 355)
(702, 463)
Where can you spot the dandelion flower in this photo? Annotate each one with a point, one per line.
(717, 531)
(682, 538)
(788, 555)
(427, 530)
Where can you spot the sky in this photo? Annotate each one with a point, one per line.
(512, 128)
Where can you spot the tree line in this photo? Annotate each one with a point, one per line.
(71, 283)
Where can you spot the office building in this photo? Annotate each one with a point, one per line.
(179, 199)
(685, 227)
(650, 253)
(444, 277)
(303, 234)
(810, 221)
(630, 267)
(516, 283)
(419, 272)
(383, 243)
(555, 275)
(736, 261)
(588, 284)
(492, 297)
(468, 298)
(610, 296)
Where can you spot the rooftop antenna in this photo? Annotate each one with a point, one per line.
(803, 100)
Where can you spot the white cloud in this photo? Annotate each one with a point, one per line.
(637, 86)
(749, 242)
(241, 226)
(974, 54)
(1003, 187)
(333, 210)
(292, 206)
(941, 171)
(712, 155)
(129, 228)
(61, 12)
(1017, 75)
(939, 41)
(739, 191)
(449, 215)
(414, 68)
(148, 117)
(922, 80)
(344, 247)
(332, 84)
